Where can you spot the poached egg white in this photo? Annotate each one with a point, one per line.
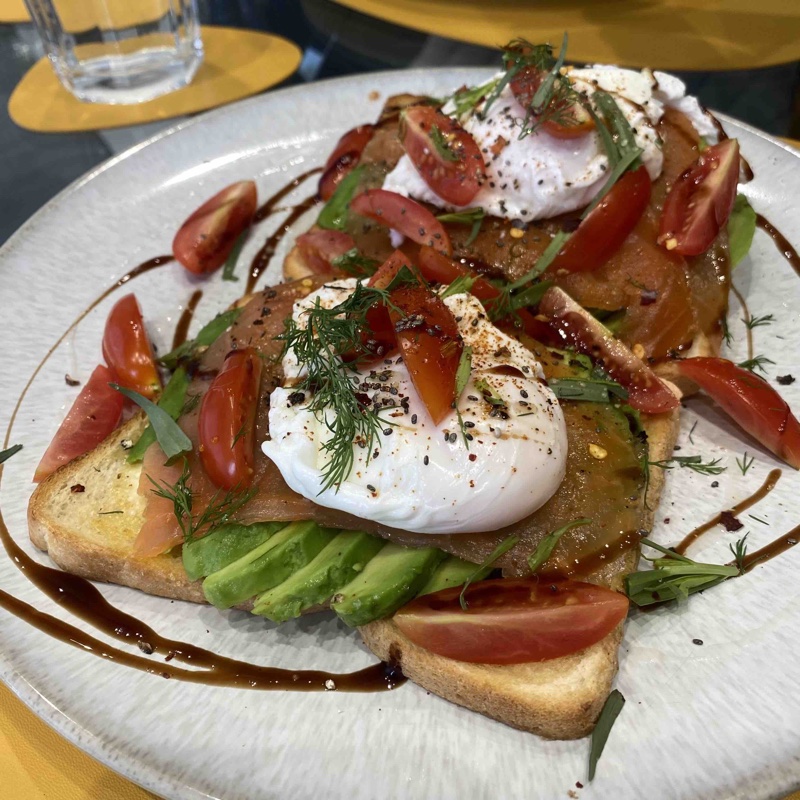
(422, 477)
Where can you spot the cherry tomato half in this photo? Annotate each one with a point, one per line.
(404, 215)
(343, 159)
(226, 426)
(513, 621)
(577, 328)
(570, 120)
(607, 226)
(94, 414)
(127, 349)
(750, 402)
(446, 156)
(206, 239)
(700, 201)
(430, 344)
(319, 247)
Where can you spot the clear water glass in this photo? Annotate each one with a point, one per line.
(120, 51)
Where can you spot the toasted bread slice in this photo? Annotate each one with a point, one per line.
(87, 516)
(74, 516)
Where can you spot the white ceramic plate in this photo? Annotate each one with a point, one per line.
(720, 720)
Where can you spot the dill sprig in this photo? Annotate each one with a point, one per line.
(443, 145)
(726, 334)
(744, 464)
(694, 463)
(755, 363)
(219, 510)
(739, 551)
(464, 100)
(330, 383)
(759, 322)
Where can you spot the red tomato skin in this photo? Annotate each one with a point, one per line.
(750, 402)
(700, 201)
(457, 181)
(205, 240)
(580, 330)
(226, 425)
(343, 159)
(319, 247)
(432, 367)
(96, 412)
(524, 85)
(607, 226)
(127, 349)
(513, 621)
(404, 215)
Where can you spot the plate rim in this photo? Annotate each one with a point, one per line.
(117, 758)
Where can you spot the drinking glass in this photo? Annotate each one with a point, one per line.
(120, 51)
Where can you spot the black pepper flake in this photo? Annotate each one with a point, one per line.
(77, 488)
(296, 397)
(70, 381)
(371, 488)
(387, 431)
(730, 522)
(697, 641)
(426, 461)
(783, 380)
(714, 484)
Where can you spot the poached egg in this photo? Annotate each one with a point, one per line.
(542, 176)
(431, 478)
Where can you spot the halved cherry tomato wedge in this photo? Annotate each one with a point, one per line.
(750, 402)
(577, 328)
(404, 215)
(206, 239)
(226, 425)
(430, 345)
(700, 201)
(319, 247)
(94, 414)
(127, 349)
(513, 621)
(607, 226)
(345, 157)
(570, 120)
(436, 268)
(446, 156)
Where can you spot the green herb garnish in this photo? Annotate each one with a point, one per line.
(329, 383)
(442, 145)
(744, 464)
(353, 263)
(489, 393)
(726, 334)
(590, 390)
(462, 284)
(500, 550)
(463, 371)
(334, 213)
(605, 721)
(172, 440)
(755, 363)
(759, 322)
(469, 216)
(207, 335)
(229, 267)
(172, 401)
(546, 546)
(741, 229)
(6, 454)
(694, 463)
(675, 577)
(218, 512)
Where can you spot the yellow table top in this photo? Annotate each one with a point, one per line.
(667, 34)
(37, 764)
(237, 63)
(13, 11)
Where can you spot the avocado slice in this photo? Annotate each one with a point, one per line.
(453, 571)
(268, 565)
(390, 580)
(335, 566)
(224, 545)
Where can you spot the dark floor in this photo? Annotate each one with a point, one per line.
(335, 41)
